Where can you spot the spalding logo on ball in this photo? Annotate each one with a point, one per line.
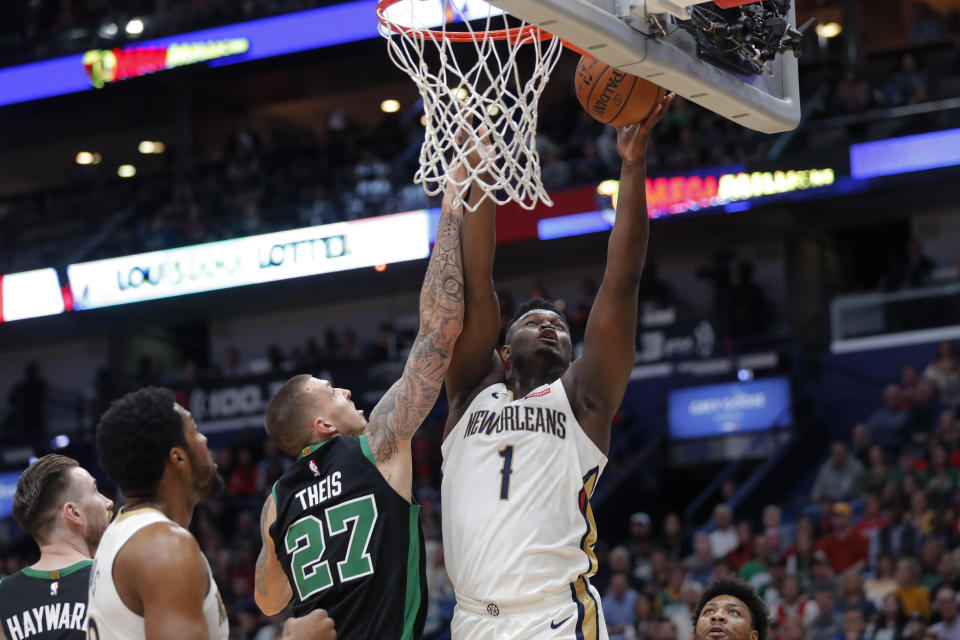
(612, 96)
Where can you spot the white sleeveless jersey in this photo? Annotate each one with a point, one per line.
(109, 618)
(517, 481)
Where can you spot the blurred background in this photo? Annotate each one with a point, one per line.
(792, 415)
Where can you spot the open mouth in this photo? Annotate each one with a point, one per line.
(717, 631)
(549, 336)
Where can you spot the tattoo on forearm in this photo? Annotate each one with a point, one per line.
(400, 412)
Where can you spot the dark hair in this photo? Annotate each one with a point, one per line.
(41, 491)
(135, 437)
(530, 305)
(731, 586)
(285, 418)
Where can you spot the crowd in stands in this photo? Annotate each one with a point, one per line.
(287, 177)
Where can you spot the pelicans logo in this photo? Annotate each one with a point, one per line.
(109, 65)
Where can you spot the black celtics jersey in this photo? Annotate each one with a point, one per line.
(46, 604)
(350, 544)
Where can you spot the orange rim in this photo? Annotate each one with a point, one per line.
(526, 33)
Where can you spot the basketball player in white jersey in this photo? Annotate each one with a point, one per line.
(149, 578)
(529, 429)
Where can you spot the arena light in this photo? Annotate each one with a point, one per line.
(126, 171)
(108, 30)
(147, 147)
(30, 294)
(390, 106)
(134, 27)
(84, 157)
(829, 30)
(61, 441)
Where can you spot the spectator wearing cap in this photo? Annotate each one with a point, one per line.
(915, 598)
(723, 539)
(844, 547)
(949, 626)
(839, 476)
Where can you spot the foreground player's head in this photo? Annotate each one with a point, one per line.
(538, 338)
(730, 609)
(145, 437)
(307, 410)
(57, 501)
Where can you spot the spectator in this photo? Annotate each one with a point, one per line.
(825, 625)
(884, 580)
(852, 95)
(619, 606)
(877, 471)
(890, 622)
(947, 572)
(744, 549)
(671, 594)
(944, 371)
(800, 559)
(779, 535)
(899, 537)
(860, 443)
(756, 570)
(699, 564)
(644, 617)
(873, 519)
(723, 539)
(852, 595)
(664, 630)
(908, 85)
(929, 559)
(243, 479)
(921, 516)
(618, 561)
(673, 540)
(838, 477)
(821, 575)
(914, 598)
(942, 481)
(794, 629)
(844, 546)
(269, 470)
(854, 625)
(888, 425)
(949, 626)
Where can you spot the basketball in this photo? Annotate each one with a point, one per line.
(612, 96)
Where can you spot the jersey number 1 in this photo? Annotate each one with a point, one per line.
(505, 471)
(306, 543)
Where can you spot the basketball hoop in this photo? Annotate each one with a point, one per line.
(493, 86)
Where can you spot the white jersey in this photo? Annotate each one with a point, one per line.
(108, 617)
(517, 481)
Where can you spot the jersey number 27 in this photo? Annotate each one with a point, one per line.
(305, 542)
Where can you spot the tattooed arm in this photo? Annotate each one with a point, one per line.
(272, 590)
(399, 413)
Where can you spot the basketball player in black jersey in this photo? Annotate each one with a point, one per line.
(58, 504)
(340, 530)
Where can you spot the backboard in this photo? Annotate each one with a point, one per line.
(644, 38)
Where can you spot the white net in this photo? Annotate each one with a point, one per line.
(480, 74)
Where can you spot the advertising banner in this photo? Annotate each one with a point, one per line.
(722, 409)
(252, 260)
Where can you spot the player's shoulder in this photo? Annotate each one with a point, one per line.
(160, 543)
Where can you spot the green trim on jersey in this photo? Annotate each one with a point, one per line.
(412, 601)
(61, 573)
(273, 492)
(367, 451)
(310, 448)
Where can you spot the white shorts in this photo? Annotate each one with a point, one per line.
(573, 614)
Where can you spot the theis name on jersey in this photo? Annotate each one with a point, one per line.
(50, 617)
(517, 418)
(320, 491)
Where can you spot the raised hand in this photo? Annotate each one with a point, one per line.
(632, 139)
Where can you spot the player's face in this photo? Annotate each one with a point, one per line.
(542, 333)
(205, 479)
(725, 618)
(96, 508)
(335, 406)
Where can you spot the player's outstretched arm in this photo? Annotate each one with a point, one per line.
(597, 381)
(473, 357)
(162, 575)
(271, 589)
(399, 413)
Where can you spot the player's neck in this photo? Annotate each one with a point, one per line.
(521, 383)
(176, 507)
(61, 554)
